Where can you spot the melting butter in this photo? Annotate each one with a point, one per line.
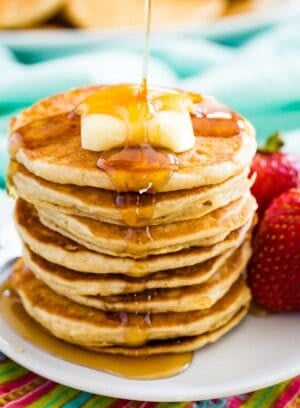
(127, 115)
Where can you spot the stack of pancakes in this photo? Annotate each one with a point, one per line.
(161, 274)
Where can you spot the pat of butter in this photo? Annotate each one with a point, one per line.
(171, 130)
(100, 132)
(119, 119)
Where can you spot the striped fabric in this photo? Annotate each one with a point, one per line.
(20, 388)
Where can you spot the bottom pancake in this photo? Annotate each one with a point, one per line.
(92, 328)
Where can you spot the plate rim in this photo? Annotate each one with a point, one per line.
(23, 352)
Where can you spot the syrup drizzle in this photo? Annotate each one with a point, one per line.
(147, 25)
(138, 168)
(136, 209)
(154, 168)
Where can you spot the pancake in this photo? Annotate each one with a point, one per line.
(25, 13)
(63, 251)
(50, 147)
(78, 283)
(108, 14)
(102, 204)
(162, 299)
(140, 242)
(181, 345)
(90, 327)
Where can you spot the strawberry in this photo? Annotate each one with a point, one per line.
(274, 270)
(275, 171)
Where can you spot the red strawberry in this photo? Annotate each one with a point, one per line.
(274, 270)
(276, 172)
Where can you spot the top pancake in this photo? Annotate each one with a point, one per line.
(48, 144)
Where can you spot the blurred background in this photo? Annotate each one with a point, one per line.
(245, 52)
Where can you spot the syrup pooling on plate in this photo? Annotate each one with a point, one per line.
(152, 367)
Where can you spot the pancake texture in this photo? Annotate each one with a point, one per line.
(114, 267)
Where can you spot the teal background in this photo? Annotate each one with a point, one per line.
(257, 73)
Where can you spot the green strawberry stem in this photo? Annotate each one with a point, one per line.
(273, 144)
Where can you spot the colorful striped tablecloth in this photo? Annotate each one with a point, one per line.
(20, 388)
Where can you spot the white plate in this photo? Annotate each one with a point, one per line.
(29, 40)
(258, 353)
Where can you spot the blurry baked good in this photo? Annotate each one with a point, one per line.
(26, 13)
(248, 6)
(111, 14)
